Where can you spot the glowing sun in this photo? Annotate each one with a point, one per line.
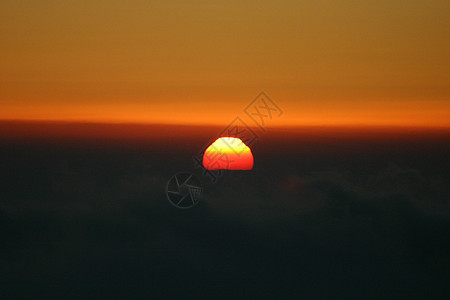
(228, 153)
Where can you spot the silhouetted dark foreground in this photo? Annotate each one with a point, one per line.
(324, 214)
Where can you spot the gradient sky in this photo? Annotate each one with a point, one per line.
(328, 62)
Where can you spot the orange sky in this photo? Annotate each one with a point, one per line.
(201, 62)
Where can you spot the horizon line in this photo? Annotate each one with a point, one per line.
(275, 126)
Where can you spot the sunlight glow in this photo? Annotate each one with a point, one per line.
(228, 153)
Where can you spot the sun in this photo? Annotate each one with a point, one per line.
(228, 153)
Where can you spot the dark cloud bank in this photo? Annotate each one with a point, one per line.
(315, 219)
